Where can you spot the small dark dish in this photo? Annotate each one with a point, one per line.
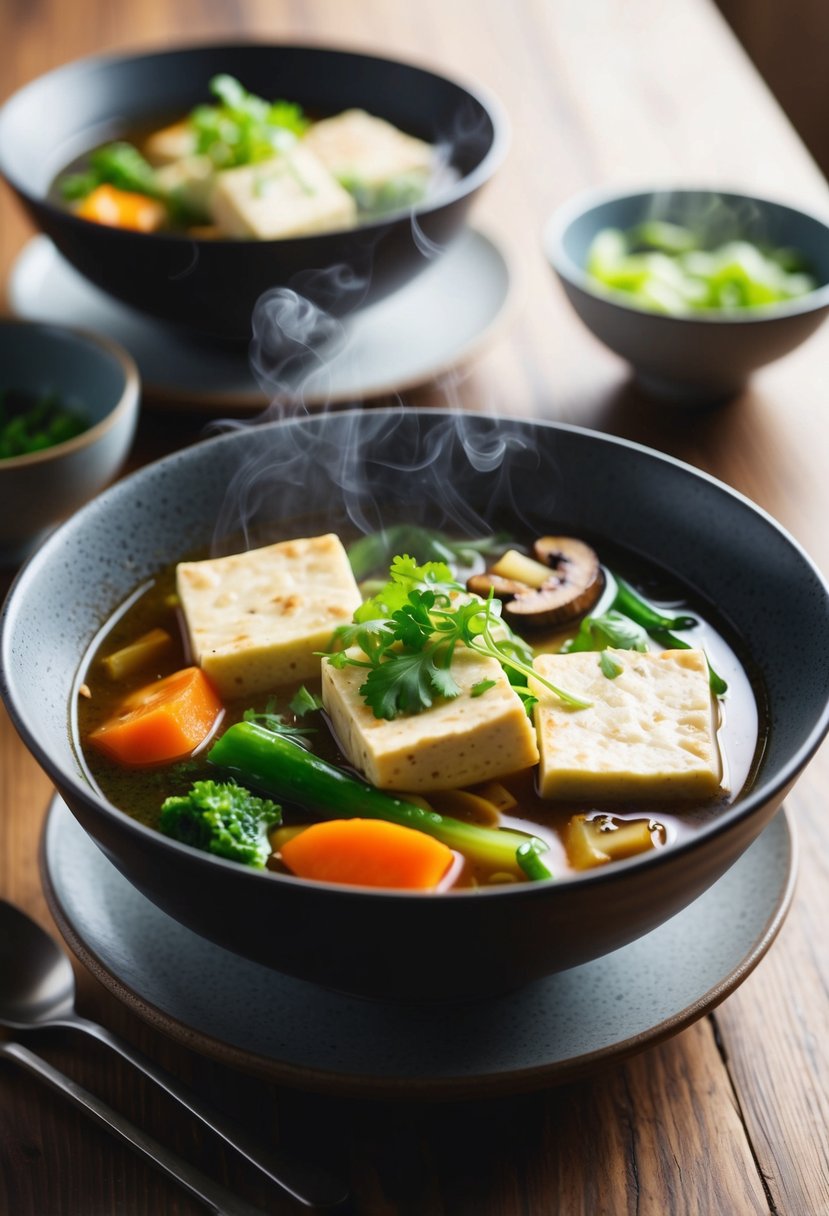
(98, 379)
(704, 357)
(393, 944)
(212, 286)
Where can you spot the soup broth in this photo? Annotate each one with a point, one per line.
(517, 804)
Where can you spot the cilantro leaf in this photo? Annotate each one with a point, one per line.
(613, 629)
(407, 683)
(478, 690)
(272, 720)
(375, 551)
(408, 634)
(304, 702)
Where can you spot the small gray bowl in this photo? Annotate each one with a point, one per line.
(90, 373)
(708, 357)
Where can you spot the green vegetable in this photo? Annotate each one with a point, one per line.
(271, 719)
(409, 631)
(529, 860)
(612, 629)
(244, 129)
(304, 702)
(478, 690)
(31, 424)
(609, 667)
(632, 605)
(118, 164)
(278, 766)
(374, 552)
(628, 624)
(224, 819)
(665, 267)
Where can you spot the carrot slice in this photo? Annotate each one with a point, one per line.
(122, 209)
(165, 720)
(368, 852)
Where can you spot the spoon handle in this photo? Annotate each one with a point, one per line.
(308, 1184)
(219, 1200)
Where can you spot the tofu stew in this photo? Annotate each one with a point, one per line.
(249, 168)
(411, 711)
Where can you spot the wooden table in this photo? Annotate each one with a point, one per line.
(731, 1116)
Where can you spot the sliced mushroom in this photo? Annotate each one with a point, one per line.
(572, 587)
(502, 588)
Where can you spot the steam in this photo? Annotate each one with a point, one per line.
(364, 469)
(374, 466)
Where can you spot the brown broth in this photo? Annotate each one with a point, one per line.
(141, 792)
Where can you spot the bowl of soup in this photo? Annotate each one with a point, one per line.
(391, 779)
(187, 183)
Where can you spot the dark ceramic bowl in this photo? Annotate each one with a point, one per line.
(212, 286)
(90, 374)
(706, 357)
(348, 465)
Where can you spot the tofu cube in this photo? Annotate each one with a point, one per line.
(256, 619)
(190, 181)
(649, 733)
(356, 146)
(170, 144)
(291, 194)
(455, 743)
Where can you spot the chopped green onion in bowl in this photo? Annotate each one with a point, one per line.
(30, 423)
(665, 267)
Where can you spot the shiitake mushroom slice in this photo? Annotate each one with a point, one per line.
(572, 588)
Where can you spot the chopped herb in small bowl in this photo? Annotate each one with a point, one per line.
(29, 423)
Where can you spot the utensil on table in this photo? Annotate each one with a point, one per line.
(216, 1197)
(38, 992)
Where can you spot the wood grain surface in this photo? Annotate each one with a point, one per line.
(731, 1116)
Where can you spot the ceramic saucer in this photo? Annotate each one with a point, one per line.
(438, 321)
(295, 1033)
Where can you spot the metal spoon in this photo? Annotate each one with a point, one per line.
(37, 991)
(220, 1201)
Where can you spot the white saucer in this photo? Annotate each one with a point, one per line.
(438, 321)
(295, 1033)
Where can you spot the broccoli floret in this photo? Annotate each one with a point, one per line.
(225, 819)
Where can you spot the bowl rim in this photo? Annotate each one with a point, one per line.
(126, 405)
(83, 792)
(581, 204)
(452, 193)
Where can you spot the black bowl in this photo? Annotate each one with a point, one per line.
(212, 286)
(352, 464)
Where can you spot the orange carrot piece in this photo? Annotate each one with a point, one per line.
(122, 209)
(165, 720)
(369, 853)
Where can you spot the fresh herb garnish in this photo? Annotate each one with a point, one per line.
(408, 634)
(304, 702)
(271, 719)
(243, 129)
(373, 553)
(612, 629)
(478, 690)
